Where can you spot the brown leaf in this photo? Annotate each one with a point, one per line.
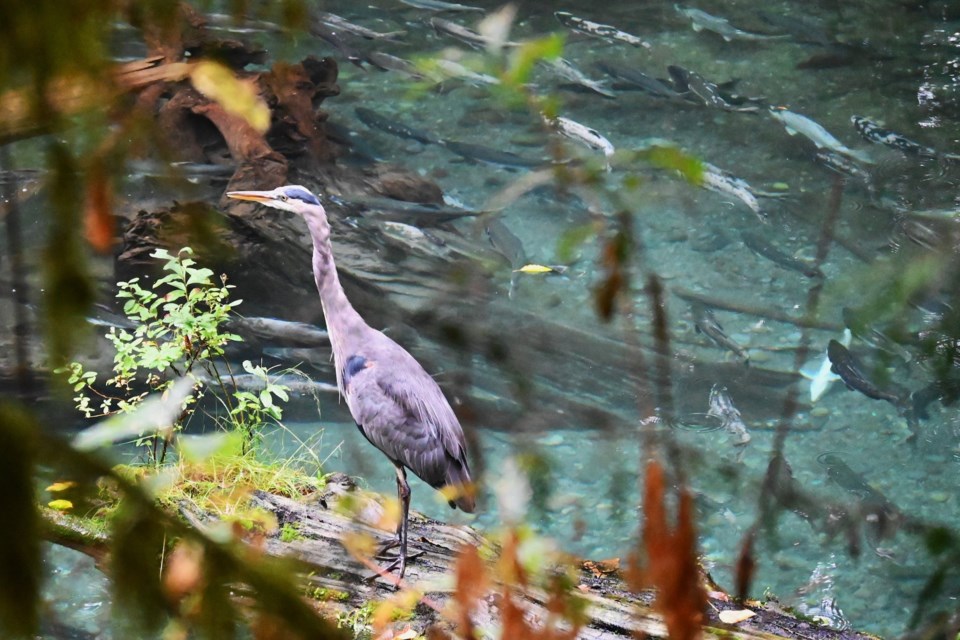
(672, 559)
(99, 223)
(514, 624)
(600, 568)
(605, 295)
(472, 584)
(184, 571)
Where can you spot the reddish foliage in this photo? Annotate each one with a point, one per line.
(98, 216)
(472, 583)
(672, 566)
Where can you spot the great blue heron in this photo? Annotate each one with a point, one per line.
(397, 406)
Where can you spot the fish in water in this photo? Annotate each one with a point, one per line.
(873, 132)
(508, 245)
(325, 32)
(336, 22)
(718, 180)
(375, 120)
(437, 5)
(706, 323)
(566, 70)
(707, 92)
(820, 375)
(642, 81)
(721, 406)
(388, 62)
(466, 35)
(879, 512)
(703, 21)
(581, 133)
(874, 337)
(420, 214)
(358, 148)
(598, 30)
(452, 69)
(823, 139)
(845, 365)
(489, 155)
(759, 245)
(802, 30)
(842, 164)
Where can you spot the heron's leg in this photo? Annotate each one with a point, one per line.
(392, 544)
(403, 488)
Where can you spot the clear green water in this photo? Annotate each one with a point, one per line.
(587, 490)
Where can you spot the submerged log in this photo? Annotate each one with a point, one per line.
(325, 523)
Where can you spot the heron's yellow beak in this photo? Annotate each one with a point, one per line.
(252, 196)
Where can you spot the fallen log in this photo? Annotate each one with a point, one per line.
(325, 523)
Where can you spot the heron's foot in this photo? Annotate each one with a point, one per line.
(390, 545)
(399, 564)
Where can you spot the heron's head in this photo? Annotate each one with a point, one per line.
(288, 198)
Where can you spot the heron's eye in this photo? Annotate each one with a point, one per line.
(282, 198)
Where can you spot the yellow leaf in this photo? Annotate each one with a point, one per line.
(359, 545)
(61, 486)
(236, 96)
(60, 505)
(534, 268)
(391, 514)
(731, 616)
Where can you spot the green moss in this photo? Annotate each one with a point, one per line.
(358, 621)
(329, 595)
(220, 487)
(290, 532)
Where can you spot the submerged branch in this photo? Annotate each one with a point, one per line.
(728, 304)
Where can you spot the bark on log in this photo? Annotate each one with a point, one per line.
(323, 523)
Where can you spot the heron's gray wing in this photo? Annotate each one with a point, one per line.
(403, 412)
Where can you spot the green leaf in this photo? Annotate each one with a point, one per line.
(527, 55)
(666, 157)
(265, 398)
(200, 276)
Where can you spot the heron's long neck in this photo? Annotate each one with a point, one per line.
(343, 322)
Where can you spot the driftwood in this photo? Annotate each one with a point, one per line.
(341, 583)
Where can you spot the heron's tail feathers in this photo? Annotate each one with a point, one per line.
(459, 489)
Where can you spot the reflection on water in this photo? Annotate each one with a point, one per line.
(559, 392)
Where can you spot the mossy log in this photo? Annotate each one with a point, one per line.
(341, 583)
